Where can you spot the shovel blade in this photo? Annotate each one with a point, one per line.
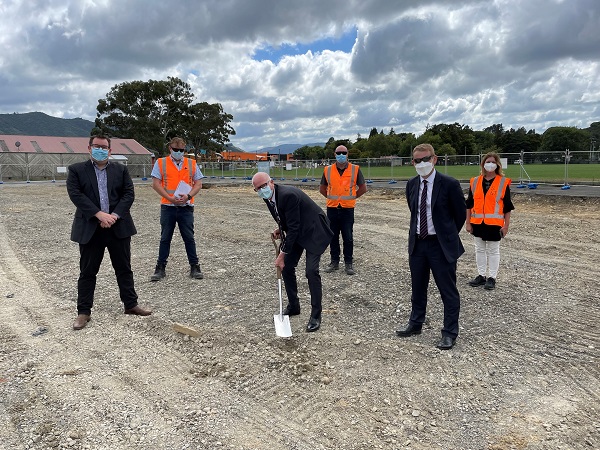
(282, 325)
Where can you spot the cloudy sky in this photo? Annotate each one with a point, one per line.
(304, 71)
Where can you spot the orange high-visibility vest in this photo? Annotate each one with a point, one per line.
(171, 176)
(341, 190)
(488, 208)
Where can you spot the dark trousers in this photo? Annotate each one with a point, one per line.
(91, 255)
(341, 220)
(428, 257)
(182, 216)
(312, 274)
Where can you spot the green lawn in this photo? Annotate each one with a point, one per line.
(543, 173)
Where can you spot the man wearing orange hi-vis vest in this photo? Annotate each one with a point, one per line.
(488, 216)
(177, 180)
(341, 184)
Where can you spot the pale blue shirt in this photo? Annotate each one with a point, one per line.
(102, 187)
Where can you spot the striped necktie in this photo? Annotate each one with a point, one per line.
(274, 210)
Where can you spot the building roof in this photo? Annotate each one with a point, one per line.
(56, 144)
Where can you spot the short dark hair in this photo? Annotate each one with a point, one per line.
(99, 136)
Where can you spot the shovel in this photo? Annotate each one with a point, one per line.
(282, 323)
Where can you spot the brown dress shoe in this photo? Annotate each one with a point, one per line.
(81, 321)
(138, 311)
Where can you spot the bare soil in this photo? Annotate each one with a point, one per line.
(524, 373)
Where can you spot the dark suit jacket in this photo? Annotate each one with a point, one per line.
(82, 186)
(301, 219)
(448, 212)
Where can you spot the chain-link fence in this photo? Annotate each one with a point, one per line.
(550, 167)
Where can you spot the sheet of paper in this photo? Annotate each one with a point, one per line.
(182, 189)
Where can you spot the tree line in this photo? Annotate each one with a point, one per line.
(457, 139)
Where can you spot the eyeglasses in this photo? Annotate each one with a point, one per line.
(256, 189)
(341, 153)
(103, 147)
(424, 159)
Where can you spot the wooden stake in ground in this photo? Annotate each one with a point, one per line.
(185, 330)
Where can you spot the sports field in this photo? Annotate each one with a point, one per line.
(542, 173)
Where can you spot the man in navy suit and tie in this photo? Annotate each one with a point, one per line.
(301, 225)
(437, 213)
(102, 192)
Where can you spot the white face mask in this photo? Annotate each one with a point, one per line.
(490, 166)
(424, 168)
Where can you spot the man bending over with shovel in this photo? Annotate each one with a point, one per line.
(302, 225)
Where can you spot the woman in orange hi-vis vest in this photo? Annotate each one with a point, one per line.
(488, 217)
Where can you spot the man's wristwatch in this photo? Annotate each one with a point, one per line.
(189, 197)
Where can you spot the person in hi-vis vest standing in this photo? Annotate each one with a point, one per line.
(488, 216)
(341, 184)
(178, 209)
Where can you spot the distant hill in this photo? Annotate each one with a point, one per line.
(232, 148)
(40, 124)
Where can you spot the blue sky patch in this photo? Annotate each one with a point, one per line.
(274, 54)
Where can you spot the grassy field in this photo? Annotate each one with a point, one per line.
(542, 173)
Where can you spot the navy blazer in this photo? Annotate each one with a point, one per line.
(82, 187)
(448, 212)
(301, 220)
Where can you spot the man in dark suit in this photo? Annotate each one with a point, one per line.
(437, 213)
(302, 225)
(103, 194)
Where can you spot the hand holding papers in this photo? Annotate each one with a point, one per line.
(183, 189)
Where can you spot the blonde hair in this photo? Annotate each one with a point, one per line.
(424, 148)
(496, 159)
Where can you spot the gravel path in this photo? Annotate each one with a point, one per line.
(524, 373)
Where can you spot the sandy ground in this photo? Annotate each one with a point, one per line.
(524, 373)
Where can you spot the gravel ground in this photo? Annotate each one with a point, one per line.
(524, 373)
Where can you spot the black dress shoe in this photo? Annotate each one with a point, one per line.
(138, 311)
(313, 324)
(446, 343)
(409, 330)
(289, 311)
(490, 284)
(479, 280)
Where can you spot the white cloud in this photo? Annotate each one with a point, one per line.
(533, 64)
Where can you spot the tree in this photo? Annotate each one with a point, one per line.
(153, 111)
(207, 126)
(558, 139)
(484, 141)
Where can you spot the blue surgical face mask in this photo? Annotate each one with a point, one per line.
(99, 154)
(176, 155)
(265, 192)
(341, 158)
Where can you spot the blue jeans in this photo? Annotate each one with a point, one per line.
(183, 216)
(341, 220)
